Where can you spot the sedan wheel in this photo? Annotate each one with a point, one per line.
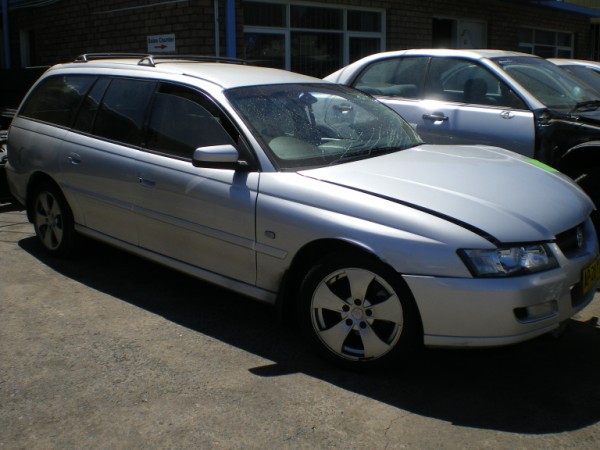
(357, 312)
(52, 220)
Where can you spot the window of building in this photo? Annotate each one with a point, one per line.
(311, 39)
(545, 43)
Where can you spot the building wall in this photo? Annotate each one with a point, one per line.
(67, 28)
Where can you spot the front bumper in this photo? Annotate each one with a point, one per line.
(480, 312)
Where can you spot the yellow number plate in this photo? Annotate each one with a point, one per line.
(590, 275)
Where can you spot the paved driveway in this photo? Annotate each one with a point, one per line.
(111, 351)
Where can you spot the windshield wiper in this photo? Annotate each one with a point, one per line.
(365, 153)
(588, 105)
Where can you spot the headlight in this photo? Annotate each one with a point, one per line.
(509, 261)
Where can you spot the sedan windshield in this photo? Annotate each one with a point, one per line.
(552, 86)
(312, 125)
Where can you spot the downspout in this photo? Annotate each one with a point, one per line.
(217, 30)
(5, 35)
(229, 28)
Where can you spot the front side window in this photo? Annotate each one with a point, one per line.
(57, 99)
(465, 81)
(551, 85)
(316, 125)
(182, 120)
(121, 114)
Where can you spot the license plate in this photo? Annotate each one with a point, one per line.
(590, 275)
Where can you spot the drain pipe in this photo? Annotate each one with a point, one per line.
(229, 28)
(5, 35)
(217, 30)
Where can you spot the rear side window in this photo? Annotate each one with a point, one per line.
(56, 99)
(394, 77)
(121, 114)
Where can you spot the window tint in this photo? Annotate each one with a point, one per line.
(57, 99)
(397, 77)
(90, 106)
(183, 120)
(464, 81)
(122, 111)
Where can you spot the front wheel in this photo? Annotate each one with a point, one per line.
(357, 312)
(52, 220)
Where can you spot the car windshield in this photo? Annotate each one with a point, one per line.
(552, 86)
(313, 125)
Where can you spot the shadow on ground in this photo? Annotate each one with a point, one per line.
(547, 385)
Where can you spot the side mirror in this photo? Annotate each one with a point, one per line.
(218, 157)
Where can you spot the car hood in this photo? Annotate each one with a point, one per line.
(502, 194)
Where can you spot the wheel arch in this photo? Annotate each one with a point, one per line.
(580, 158)
(35, 181)
(307, 257)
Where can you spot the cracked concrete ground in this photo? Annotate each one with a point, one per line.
(111, 351)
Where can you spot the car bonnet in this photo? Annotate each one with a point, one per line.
(499, 193)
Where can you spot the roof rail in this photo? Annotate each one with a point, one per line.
(92, 56)
(146, 59)
(152, 60)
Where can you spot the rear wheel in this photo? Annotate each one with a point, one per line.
(52, 220)
(357, 312)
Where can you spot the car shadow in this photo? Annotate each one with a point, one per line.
(546, 385)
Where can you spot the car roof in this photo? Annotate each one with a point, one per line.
(225, 73)
(574, 62)
(468, 53)
(342, 75)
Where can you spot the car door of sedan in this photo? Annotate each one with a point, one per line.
(200, 216)
(452, 101)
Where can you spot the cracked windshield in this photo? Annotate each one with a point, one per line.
(314, 125)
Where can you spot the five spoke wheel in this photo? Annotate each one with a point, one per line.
(357, 313)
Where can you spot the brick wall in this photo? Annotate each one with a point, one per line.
(67, 28)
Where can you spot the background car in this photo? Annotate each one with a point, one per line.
(304, 194)
(507, 99)
(586, 71)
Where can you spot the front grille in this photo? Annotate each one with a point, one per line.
(571, 241)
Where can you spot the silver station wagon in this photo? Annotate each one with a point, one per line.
(307, 195)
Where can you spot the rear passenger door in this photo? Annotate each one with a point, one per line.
(99, 155)
(452, 101)
(199, 216)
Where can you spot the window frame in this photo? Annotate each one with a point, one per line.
(347, 35)
(559, 51)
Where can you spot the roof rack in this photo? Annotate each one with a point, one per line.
(146, 59)
(152, 60)
(92, 56)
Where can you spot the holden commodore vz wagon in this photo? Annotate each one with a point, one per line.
(307, 195)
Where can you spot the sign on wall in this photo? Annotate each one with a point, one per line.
(161, 43)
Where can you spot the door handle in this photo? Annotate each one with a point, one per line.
(146, 182)
(436, 117)
(74, 158)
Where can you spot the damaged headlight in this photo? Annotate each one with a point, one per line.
(509, 261)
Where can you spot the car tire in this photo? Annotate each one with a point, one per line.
(53, 220)
(358, 313)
